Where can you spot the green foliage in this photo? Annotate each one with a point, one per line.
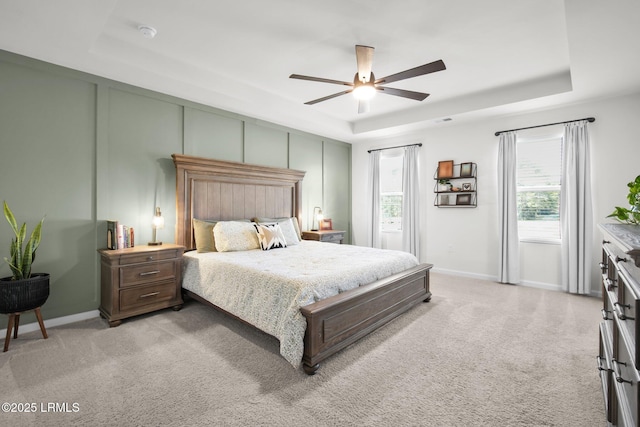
(22, 258)
(538, 205)
(629, 215)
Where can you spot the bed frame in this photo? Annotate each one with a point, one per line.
(222, 190)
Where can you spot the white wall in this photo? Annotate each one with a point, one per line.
(464, 240)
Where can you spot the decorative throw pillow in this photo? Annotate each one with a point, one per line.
(289, 227)
(235, 236)
(270, 236)
(203, 233)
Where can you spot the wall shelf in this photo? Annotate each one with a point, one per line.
(462, 191)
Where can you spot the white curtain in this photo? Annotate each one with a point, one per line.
(411, 202)
(576, 215)
(373, 201)
(509, 244)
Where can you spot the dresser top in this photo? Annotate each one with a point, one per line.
(627, 237)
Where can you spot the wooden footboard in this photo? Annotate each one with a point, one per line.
(338, 321)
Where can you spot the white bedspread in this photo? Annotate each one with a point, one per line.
(267, 288)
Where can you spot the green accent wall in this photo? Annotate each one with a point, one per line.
(80, 150)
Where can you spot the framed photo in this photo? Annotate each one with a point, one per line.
(463, 199)
(466, 169)
(326, 224)
(445, 169)
(466, 186)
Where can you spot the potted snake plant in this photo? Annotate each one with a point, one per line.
(23, 290)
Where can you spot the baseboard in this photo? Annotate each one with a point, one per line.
(528, 283)
(58, 321)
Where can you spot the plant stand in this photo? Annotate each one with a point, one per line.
(14, 322)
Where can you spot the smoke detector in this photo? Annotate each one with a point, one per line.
(147, 31)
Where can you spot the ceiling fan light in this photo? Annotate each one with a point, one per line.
(364, 92)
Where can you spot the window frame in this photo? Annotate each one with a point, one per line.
(389, 155)
(541, 188)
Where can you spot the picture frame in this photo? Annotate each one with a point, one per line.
(466, 169)
(463, 199)
(326, 224)
(466, 186)
(445, 169)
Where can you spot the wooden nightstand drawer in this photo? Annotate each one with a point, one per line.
(147, 257)
(329, 236)
(148, 272)
(145, 295)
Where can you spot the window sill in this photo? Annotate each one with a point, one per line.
(542, 241)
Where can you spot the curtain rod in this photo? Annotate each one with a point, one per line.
(589, 119)
(397, 146)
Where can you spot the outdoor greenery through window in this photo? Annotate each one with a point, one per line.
(538, 188)
(391, 193)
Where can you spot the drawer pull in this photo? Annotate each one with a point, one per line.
(599, 362)
(152, 294)
(605, 314)
(610, 284)
(150, 258)
(603, 266)
(618, 259)
(148, 273)
(616, 372)
(621, 315)
(604, 242)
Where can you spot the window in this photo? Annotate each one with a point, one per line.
(538, 188)
(391, 193)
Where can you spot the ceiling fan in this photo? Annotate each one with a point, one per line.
(365, 85)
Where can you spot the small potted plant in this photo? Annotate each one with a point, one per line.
(24, 290)
(629, 215)
(444, 185)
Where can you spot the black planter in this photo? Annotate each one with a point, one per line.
(17, 296)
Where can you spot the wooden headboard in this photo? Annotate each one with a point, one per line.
(211, 189)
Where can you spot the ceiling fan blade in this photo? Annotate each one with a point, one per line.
(364, 57)
(432, 67)
(363, 106)
(319, 79)
(418, 96)
(315, 101)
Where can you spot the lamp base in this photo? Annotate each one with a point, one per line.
(154, 243)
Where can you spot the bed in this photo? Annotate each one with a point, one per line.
(208, 189)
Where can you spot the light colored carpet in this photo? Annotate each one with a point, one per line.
(479, 354)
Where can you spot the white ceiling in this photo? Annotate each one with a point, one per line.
(502, 56)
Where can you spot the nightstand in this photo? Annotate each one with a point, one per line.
(139, 280)
(331, 236)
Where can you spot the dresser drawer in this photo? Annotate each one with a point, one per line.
(148, 272)
(141, 296)
(604, 368)
(137, 258)
(625, 382)
(627, 310)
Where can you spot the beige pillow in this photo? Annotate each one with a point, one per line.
(232, 236)
(203, 233)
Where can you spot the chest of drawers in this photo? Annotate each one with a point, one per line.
(619, 355)
(140, 280)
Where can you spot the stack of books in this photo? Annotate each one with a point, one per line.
(119, 236)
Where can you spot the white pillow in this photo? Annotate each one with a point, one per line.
(235, 236)
(289, 231)
(270, 236)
